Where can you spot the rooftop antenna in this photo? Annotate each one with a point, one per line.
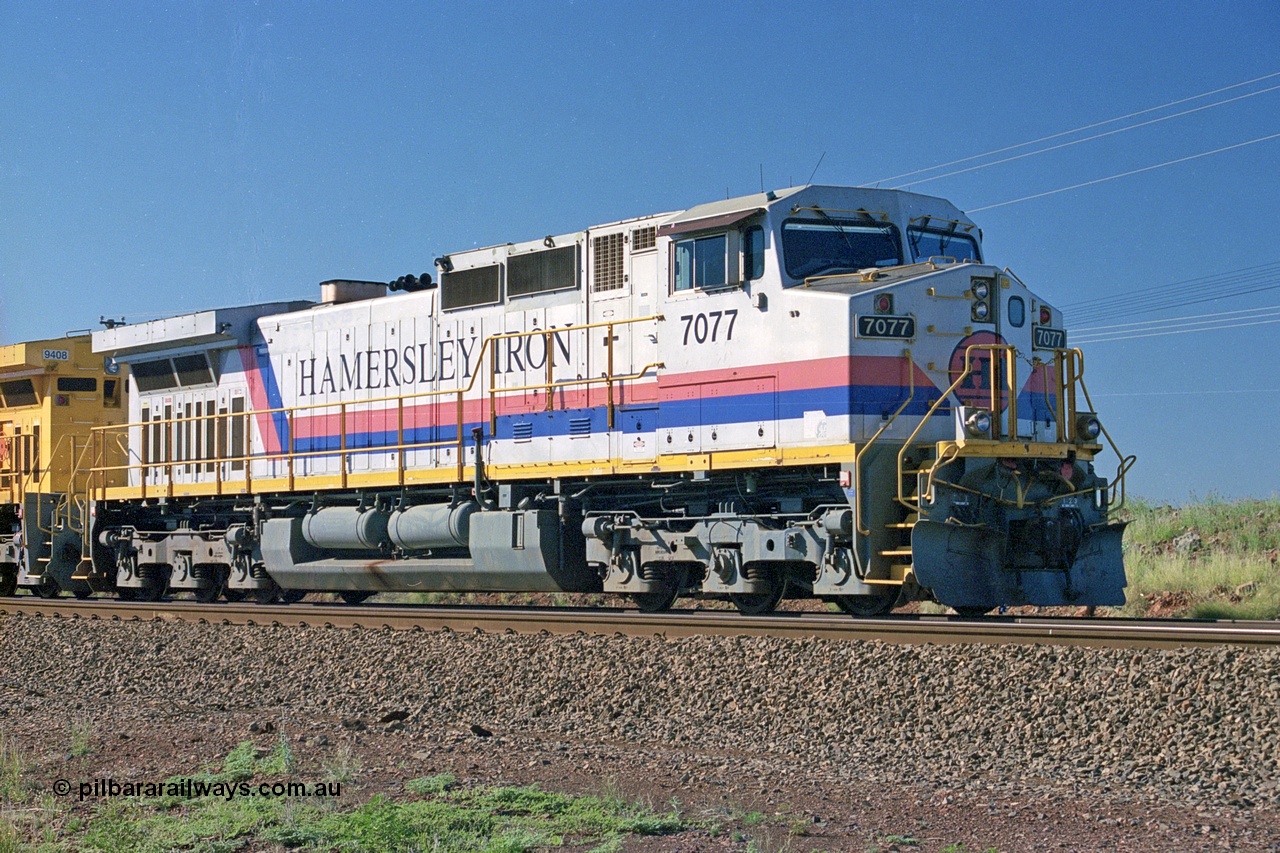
(762, 177)
(815, 168)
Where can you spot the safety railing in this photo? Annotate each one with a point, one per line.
(115, 460)
(861, 452)
(1069, 365)
(1001, 387)
(551, 385)
(20, 465)
(1003, 381)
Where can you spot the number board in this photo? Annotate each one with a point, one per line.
(1042, 337)
(886, 326)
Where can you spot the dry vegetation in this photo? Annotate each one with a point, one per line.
(1213, 559)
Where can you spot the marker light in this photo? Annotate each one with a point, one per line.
(1045, 316)
(884, 304)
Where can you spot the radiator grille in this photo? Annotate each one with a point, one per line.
(538, 272)
(464, 288)
(606, 268)
(644, 238)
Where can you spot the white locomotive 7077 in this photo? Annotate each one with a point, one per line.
(815, 391)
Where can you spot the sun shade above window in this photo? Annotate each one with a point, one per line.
(706, 223)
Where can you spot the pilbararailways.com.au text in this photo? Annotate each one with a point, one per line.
(191, 789)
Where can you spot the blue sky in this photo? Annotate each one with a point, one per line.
(161, 158)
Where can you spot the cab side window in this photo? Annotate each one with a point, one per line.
(701, 262)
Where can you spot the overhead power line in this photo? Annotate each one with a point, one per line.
(1140, 324)
(1080, 129)
(1125, 174)
(1185, 283)
(1083, 139)
(1188, 326)
(1193, 292)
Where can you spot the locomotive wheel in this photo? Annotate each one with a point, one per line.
(757, 603)
(210, 593)
(866, 606)
(48, 588)
(152, 592)
(354, 596)
(268, 594)
(126, 593)
(234, 595)
(82, 594)
(971, 611)
(664, 591)
(658, 599)
(292, 596)
(8, 583)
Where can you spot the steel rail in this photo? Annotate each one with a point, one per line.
(911, 630)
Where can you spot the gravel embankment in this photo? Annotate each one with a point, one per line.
(1195, 727)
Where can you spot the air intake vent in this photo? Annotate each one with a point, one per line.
(465, 288)
(538, 272)
(579, 427)
(606, 267)
(522, 431)
(643, 238)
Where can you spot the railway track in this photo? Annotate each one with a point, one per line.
(1121, 633)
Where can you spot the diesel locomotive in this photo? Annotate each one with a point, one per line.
(809, 392)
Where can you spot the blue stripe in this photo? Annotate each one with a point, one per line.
(274, 398)
(877, 400)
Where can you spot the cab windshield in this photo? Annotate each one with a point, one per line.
(929, 243)
(832, 246)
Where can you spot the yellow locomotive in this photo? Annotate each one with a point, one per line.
(52, 395)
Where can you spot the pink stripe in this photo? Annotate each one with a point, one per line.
(258, 395)
(791, 376)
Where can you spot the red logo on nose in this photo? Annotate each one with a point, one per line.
(975, 390)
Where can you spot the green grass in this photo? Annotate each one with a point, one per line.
(80, 732)
(488, 819)
(436, 814)
(1232, 574)
(13, 785)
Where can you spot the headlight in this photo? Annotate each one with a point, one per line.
(981, 288)
(1088, 427)
(979, 423)
(981, 310)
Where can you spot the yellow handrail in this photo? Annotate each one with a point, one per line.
(1126, 462)
(964, 374)
(858, 454)
(101, 469)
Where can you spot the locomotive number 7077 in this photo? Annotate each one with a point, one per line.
(706, 327)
